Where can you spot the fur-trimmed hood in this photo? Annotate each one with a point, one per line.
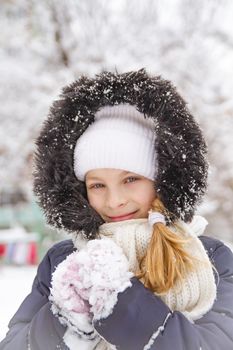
(182, 165)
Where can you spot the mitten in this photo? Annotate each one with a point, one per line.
(86, 284)
(106, 274)
(69, 297)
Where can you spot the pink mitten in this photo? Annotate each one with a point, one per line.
(69, 296)
(86, 284)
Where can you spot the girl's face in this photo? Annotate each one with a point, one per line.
(119, 195)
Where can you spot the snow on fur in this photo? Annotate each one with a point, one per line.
(86, 284)
(180, 146)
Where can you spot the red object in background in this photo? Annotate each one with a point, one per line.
(32, 258)
(2, 249)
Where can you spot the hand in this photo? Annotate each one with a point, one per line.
(69, 297)
(86, 284)
(106, 273)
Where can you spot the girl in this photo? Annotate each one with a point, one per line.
(121, 165)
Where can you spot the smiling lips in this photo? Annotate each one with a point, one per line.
(123, 217)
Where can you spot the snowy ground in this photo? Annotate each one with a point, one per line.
(15, 284)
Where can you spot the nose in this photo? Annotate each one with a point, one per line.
(115, 199)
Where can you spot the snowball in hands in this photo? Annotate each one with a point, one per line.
(86, 284)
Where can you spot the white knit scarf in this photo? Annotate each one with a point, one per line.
(196, 294)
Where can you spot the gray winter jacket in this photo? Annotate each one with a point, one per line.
(137, 315)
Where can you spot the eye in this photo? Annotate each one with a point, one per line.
(96, 186)
(131, 179)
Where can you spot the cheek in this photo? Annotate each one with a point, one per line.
(91, 199)
(146, 196)
(94, 201)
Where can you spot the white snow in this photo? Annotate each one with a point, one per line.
(15, 284)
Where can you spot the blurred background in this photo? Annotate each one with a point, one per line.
(46, 44)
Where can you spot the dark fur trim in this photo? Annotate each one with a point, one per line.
(182, 173)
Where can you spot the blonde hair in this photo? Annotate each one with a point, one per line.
(166, 260)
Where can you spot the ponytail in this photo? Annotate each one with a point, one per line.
(166, 260)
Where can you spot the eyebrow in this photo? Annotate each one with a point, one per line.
(98, 178)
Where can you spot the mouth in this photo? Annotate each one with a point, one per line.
(123, 217)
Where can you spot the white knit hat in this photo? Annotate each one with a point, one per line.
(120, 138)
